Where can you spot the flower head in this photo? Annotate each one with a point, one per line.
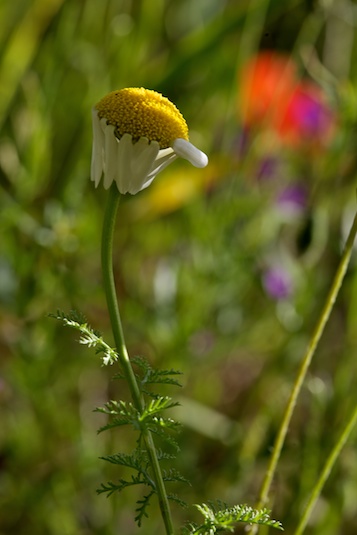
(137, 133)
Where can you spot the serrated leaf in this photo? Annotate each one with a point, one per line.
(224, 520)
(150, 375)
(160, 432)
(116, 422)
(157, 405)
(89, 336)
(137, 461)
(176, 499)
(173, 475)
(142, 506)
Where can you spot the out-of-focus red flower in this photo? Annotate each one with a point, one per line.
(266, 84)
(272, 96)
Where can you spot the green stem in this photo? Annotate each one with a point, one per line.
(317, 333)
(113, 309)
(316, 491)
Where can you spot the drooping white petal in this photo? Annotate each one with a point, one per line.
(111, 149)
(148, 182)
(164, 153)
(145, 154)
(125, 156)
(97, 149)
(164, 158)
(189, 152)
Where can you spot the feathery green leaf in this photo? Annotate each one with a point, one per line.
(225, 520)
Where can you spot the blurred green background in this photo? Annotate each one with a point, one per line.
(220, 273)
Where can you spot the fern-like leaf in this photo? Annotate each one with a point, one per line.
(137, 461)
(161, 432)
(89, 336)
(174, 475)
(149, 375)
(176, 499)
(157, 405)
(143, 504)
(126, 411)
(225, 520)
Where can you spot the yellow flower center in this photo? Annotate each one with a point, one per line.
(143, 113)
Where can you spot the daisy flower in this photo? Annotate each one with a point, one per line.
(136, 134)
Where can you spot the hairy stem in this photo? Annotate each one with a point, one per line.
(317, 333)
(113, 309)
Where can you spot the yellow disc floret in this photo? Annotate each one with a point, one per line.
(143, 113)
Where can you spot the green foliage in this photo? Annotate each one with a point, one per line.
(123, 413)
(128, 414)
(224, 520)
(138, 462)
(150, 375)
(150, 419)
(189, 259)
(89, 337)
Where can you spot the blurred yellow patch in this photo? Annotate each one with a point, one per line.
(177, 189)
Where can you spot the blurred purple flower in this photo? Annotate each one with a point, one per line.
(292, 199)
(241, 142)
(277, 283)
(267, 168)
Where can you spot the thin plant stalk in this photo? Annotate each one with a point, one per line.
(316, 491)
(316, 336)
(113, 309)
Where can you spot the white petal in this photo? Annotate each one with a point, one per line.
(160, 163)
(124, 159)
(148, 182)
(144, 156)
(111, 149)
(97, 149)
(165, 152)
(189, 152)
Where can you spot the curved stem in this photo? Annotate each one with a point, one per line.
(326, 472)
(113, 309)
(317, 333)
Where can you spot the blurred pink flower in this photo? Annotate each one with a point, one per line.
(307, 117)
